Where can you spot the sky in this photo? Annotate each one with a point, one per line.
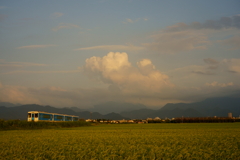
(83, 53)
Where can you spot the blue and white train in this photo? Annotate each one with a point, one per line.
(51, 117)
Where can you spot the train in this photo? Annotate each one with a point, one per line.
(50, 117)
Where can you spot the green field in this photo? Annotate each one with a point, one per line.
(125, 141)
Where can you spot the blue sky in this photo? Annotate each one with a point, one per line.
(82, 53)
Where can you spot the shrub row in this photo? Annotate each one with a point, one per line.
(203, 120)
(18, 124)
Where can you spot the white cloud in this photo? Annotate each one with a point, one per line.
(113, 48)
(65, 25)
(35, 46)
(114, 68)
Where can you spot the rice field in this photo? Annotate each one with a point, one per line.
(124, 141)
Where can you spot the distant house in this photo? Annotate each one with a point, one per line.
(157, 118)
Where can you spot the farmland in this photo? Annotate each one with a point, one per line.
(125, 141)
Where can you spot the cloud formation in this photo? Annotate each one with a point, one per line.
(128, 20)
(36, 46)
(41, 72)
(115, 69)
(182, 37)
(177, 41)
(56, 15)
(213, 64)
(16, 94)
(222, 23)
(113, 48)
(232, 65)
(233, 42)
(65, 26)
(217, 84)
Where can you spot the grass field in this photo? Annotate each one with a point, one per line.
(125, 141)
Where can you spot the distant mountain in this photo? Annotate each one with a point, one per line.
(210, 107)
(116, 107)
(219, 107)
(176, 112)
(114, 116)
(138, 114)
(20, 112)
(76, 109)
(7, 104)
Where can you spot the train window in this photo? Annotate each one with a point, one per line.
(46, 116)
(69, 118)
(29, 115)
(59, 117)
(36, 115)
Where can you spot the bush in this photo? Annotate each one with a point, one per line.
(17, 124)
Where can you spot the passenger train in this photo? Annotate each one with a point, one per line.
(51, 117)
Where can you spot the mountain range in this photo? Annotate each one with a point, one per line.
(219, 107)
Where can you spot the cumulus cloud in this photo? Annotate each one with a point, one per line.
(64, 26)
(114, 68)
(35, 46)
(113, 48)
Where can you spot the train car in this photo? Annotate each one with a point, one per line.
(51, 117)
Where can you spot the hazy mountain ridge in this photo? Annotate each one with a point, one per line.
(210, 107)
(207, 108)
(20, 112)
(117, 107)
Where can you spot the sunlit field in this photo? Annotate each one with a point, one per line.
(125, 141)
